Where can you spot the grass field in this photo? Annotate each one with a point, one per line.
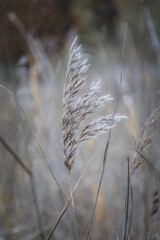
(34, 184)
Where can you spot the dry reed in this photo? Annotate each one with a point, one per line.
(77, 107)
(144, 141)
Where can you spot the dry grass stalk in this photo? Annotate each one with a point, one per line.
(68, 202)
(108, 140)
(144, 141)
(78, 107)
(126, 204)
(36, 139)
(33, 187)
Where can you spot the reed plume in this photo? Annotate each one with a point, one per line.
(77, 106)
(144, 141)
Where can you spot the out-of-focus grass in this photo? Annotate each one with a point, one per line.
(38, 88)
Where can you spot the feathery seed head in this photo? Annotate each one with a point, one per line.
(77, 107)
(145, 138)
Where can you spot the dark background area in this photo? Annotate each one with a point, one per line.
(52, 20)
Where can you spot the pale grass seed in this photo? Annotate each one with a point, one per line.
(77, 106)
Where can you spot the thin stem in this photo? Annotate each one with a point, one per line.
(153, 34)
(15, 156)
(39, 220)
(37, 141)
(95, 203)
(72, 202)
(131, 210)
(108, 141)
(29, 173)
(141, 154)
(127, 203)
(67, 203)
(58, 221)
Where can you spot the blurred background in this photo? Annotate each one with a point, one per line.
(34, 46)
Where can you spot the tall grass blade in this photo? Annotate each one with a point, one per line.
(108, 141)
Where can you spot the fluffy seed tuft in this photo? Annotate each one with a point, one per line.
(77, 107)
